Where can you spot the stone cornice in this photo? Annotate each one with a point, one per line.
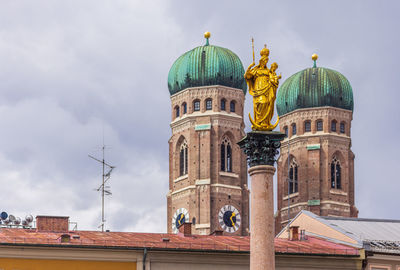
(230, 120)
(316, 113)
(335, 137)
(213, 90)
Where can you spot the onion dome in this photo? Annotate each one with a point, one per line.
(314, 87)
(206, 65)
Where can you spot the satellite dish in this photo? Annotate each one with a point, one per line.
(3, 215)
(11, 218)
(6, 221)
(24, 223)
(29, 218)
(17, 221)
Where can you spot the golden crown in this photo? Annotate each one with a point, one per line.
(264, 51)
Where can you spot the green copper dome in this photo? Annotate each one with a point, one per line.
(314, 87)
(206, 65)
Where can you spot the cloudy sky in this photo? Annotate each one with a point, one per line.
(75, 72)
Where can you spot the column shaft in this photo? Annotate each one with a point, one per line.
(262, 232)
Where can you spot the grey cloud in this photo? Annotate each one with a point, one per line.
(69, 70)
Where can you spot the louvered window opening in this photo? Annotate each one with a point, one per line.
(336, 174)
(226, 155)
(183, 160)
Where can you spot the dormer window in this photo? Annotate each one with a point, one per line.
(307, 126)
(223, 104)
(342, 127)
(184, 108)
(294, 129)
(232, 106)
(320, 125)
(209, 104)
(333, 125)
(196, 105)
(286, 130)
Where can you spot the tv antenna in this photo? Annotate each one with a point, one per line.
(104, 190)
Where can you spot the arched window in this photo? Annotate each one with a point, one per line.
(232, 106)
(196, 105)
(176, 111)
(184, 108)
(183, 159)
(336, 174)
(333, 125)
(294, 130)
(293, 178)
(320, 125)
(208, 104)
(342, 127)
(223, 103)
(226, 155)
(307, 126)
(286, 130)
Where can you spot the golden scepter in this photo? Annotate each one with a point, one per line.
(252, 46)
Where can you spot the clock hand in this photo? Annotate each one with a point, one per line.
(179, 221)
(233, 215)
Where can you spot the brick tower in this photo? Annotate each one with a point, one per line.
(207, 170)
(316, 109)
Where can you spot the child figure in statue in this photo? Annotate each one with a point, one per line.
(274, 83)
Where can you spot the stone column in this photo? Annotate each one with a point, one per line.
(262, 148)
(262, 252)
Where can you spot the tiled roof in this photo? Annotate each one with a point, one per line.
(379, 235)
(313, 245)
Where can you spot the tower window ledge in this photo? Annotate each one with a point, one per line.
(180, 178)
(291, 196)
(229, 174)
(338, 192)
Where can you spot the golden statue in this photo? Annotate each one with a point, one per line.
(263, 84)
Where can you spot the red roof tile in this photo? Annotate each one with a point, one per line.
(312, 245)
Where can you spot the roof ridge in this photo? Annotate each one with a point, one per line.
(361, 219)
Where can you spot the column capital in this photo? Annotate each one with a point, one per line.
(261, 147)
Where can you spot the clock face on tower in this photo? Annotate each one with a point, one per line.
(229, 218)
(180, 216)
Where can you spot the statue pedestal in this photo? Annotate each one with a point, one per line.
(261, 148)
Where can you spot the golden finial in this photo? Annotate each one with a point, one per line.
(314, 57)
(207, 35)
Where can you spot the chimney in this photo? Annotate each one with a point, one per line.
(303, 235)
(294, 233)
(52, 224)
(185, 229)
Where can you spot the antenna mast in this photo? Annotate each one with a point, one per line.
(103, 188)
